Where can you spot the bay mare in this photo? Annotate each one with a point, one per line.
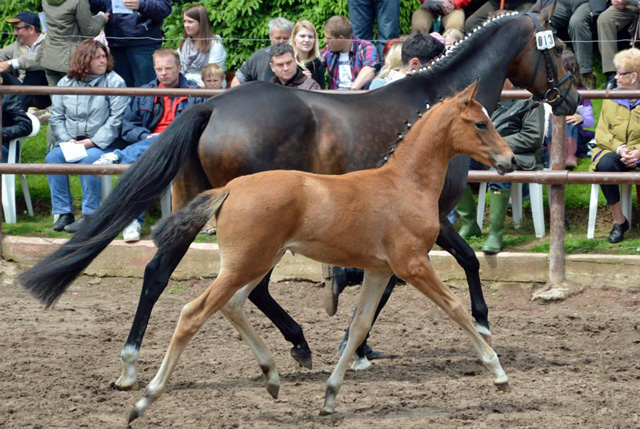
(384, 220)
(259, 126)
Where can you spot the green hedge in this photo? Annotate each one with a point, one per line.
(241, 23)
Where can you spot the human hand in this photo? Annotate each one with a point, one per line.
(619, 4)
(4, 66)
(575, 119)
(447, 7)
(630, 158)
(132, 4)
(307, 73)
(87, 143)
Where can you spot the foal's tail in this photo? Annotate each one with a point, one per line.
(138, 187)
(187, 222)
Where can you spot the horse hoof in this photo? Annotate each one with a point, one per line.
(327, 411)
(302, 355)
(504, 387)
(360, 364)
(273, 390)
(125, 387)
(133, 414)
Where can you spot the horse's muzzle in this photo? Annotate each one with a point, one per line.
(506, 167)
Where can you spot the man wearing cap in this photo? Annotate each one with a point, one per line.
(19, 58)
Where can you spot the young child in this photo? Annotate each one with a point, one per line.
(213, 77)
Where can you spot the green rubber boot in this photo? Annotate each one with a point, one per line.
(466, 208)
(499, 201)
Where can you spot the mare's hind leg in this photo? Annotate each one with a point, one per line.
(193, 315)
(419, 272)
(372, 290)
(450, 240)
(234, 312)
(289, 328)
(156, 277)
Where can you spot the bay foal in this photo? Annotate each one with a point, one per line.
(383, 220)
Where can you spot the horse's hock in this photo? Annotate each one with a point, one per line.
(129, 260)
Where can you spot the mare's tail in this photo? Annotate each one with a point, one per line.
(173, 229)
(138, 187)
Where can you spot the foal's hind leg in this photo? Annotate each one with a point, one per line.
(420, 273)
(193, 315)
(450, 240)
(234, 312)
(372, 289)
(289, 328)
(156, 277)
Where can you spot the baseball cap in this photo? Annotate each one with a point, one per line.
(26, 17)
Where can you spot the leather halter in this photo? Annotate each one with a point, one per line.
(553, 96)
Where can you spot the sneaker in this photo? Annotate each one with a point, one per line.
(107, 159)
(131, 233)
(63, 221)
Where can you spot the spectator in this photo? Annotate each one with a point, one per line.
(574, 17)
(134, 36)
(491, 6)
(387, 12)
(391, 70)
(19, 57)
(15, 122)
(93, 121)
(146, 117)
(213, 77)
(618, 136)
(614, 19)
(577, 137)
(68, 21)
(415, 51)
(451, 36)
(351, 62)
(285, 69)
(257, 66)
(199, 46)
(305, 45)
(450, 11)
(521, 124)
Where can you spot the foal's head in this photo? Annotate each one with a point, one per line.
(472, 132)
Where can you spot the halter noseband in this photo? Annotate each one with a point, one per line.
(544, 42)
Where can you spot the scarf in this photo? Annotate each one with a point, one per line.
(191, 58)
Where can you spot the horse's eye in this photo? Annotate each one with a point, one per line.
(559, 50)
(481, 125)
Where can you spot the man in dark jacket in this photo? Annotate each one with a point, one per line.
(15, 122)
(287, 73)
(134, 34)
(147, 117)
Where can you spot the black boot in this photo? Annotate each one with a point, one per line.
(63, 220)
(75, 226)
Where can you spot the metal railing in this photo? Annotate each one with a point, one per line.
(557, 177)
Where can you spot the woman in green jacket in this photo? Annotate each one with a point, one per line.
(618, 136)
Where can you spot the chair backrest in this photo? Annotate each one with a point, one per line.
(35, 123)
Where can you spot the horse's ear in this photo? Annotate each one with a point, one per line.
(545, 8)
(468, 93)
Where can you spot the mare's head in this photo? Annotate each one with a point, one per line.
(472, 132)
(539, 67)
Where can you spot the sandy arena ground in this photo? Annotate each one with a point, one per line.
(572, 364)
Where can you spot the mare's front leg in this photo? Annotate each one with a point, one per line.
(289, 328)
(234, 312)
(372, 290)
(452, 242)
(156, 278)
(418, 271)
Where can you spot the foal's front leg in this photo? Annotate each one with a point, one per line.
(372, 290)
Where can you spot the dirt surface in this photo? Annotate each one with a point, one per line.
(572, 364)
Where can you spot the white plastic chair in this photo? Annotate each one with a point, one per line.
(537, 208)
(165, 198)
(9, 180)
(625, 199)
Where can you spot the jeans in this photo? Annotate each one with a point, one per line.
(132, 152)
(135, 63)
(611, 162)
(61, 199)
(362, 13)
